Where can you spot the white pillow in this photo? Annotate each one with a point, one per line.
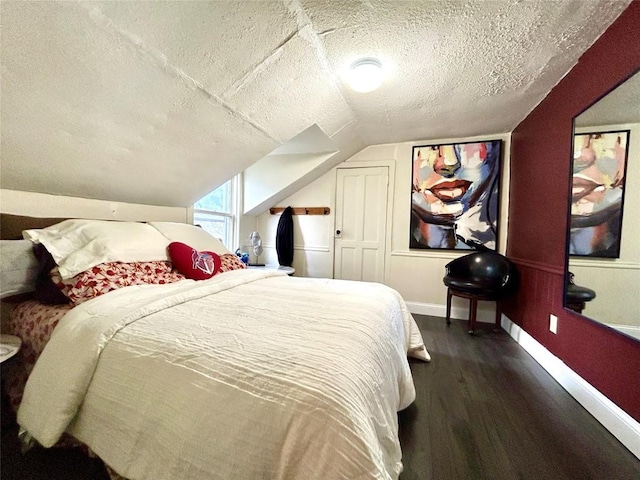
(18, 267)
(77, 245)
(191, 235)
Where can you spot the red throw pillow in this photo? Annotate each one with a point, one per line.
(192, 263)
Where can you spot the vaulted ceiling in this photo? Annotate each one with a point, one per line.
(158, 102)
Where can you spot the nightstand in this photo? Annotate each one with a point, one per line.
(288, 270)
(9, 346)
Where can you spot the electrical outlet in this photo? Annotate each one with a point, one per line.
(553, 324)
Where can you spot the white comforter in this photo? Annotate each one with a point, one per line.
(249, 375)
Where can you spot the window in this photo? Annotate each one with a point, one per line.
(216, 213)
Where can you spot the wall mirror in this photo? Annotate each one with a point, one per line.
(606, 139)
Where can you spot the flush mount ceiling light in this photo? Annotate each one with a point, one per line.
(365, 75)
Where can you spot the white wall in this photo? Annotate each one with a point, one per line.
(274, 176)
(416, 274)
(614, 278)
(58, 206)
(246, 225)
(313, 234)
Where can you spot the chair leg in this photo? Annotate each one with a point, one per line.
(449, 306)
(498, 316)
(472, 314)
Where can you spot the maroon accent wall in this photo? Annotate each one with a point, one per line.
(540, 159)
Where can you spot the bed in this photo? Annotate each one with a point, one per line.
(245, 374)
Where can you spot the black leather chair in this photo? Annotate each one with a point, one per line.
(577, 296)
(484, 275)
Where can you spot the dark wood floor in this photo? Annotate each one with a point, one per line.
(484, 410)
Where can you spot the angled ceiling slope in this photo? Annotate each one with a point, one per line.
(287, 169)
(160, 102)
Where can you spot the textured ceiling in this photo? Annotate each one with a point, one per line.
(160, 102)
(621, 105)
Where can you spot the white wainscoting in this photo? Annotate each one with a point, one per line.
(631, 330)
(459, 313)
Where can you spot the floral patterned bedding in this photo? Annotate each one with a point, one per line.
(34, 323)
(106, 277)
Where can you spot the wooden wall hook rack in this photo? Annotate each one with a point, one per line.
(303, 210)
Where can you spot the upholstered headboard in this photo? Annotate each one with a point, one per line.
(11, 226)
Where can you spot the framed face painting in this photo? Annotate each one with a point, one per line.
(455, 196)
(597, 193)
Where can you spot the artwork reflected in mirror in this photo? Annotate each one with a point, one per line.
(603, 265)
(597, 196)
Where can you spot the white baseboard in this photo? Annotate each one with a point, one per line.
(458, 313)
(631, 330)
(612, 417)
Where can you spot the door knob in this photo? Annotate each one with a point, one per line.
(338, 232)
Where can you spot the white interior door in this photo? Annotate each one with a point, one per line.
(361, 223)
